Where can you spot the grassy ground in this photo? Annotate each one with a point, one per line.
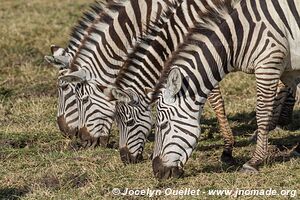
(36, 162)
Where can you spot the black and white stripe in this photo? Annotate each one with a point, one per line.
(143, 69)
(105, 47)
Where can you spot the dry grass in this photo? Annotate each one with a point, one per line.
(38, 163)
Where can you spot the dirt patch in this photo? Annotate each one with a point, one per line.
(13, 193)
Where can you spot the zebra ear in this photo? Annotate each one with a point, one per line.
(59, 58)
(174, 82)
(74, 77)
(59, 62)
(56, 49)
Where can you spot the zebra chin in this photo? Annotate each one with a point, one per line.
(65, 129)
(161, 171)
(127, 157)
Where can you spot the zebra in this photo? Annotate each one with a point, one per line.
(92, 102)
(141, 71)
(67, 115)
(104, 48)
(217, 46)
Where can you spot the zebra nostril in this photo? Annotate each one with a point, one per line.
(84, 134)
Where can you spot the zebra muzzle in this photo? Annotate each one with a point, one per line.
(65, 129)
(164, 172)
(128, 158)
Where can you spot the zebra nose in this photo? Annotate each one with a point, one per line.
(164, 172)
(89, 141)
(65, 129)
(127, 157)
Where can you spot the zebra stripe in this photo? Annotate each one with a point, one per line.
(67, 115)
(143, 69)
(104, 49)
(243, 36)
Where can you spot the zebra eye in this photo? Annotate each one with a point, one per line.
(64, 87)
(164, 125)
(130, 122)
(85, 99)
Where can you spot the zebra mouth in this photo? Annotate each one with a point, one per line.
(128, 158)
(164, 172)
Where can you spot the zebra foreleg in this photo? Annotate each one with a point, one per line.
(217, 103)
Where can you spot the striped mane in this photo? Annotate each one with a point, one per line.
(209, 19)
(152, 30)
(85, 22)
(96, 14)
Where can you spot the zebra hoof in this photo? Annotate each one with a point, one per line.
(162, 172)
(295, 153)
(227, 158)
(248, 169)
(128, 158)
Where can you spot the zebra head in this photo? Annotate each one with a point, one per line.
(96, 114)
(177, 127)
(67, 115)
(133, 117)
(95, 110)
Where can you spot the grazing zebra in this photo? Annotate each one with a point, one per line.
(240, 35)
(92, 102)
(67, 116)
(104, 49)
(142, 70)
(67, 113)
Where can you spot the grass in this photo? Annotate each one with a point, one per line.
(38, 163)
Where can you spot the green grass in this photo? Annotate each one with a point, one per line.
(36, 162)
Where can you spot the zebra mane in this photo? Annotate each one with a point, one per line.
(208, 19)
(151, 31)
(86, 25)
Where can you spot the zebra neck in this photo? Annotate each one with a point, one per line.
(145, 64)
(104, 49)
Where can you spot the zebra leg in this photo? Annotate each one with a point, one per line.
(217, 103)
(266, 94)
(286, 115)
(281, 96)
(283, 109)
